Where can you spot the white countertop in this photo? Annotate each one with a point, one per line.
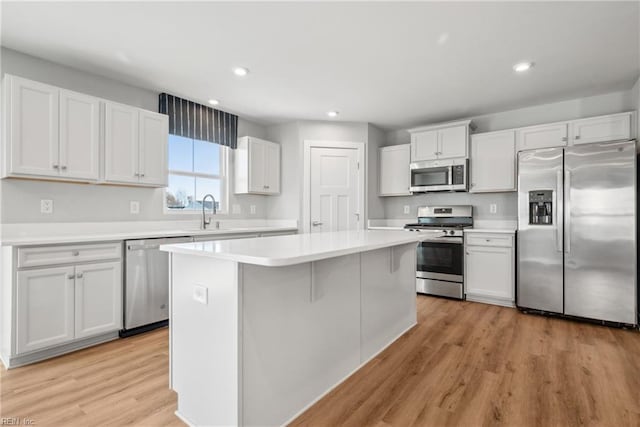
(493, 226)
(295, 249)
(490, 230)
(57, 233)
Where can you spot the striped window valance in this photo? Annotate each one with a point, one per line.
(197, 121)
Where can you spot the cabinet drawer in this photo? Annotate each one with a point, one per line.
(502, 240)
(51, 255)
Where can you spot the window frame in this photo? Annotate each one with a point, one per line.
(224, 184)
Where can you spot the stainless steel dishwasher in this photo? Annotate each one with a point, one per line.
(146, 284)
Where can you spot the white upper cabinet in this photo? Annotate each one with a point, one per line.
(394, 170)
(152, 154)
(257, 166)
(31, 118)
(542, 136)
(493, 162)
(453, 142)
(54, 133)
(445, 141)
(121, 143)
(425, 145)
(614, 127)
(135, 146)
(79, 136)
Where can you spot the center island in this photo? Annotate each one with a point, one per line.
(260, 329)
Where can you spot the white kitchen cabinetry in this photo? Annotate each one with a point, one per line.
(613, 127)
(542, 136)
(98, 298)
(395, 174)
(493, 162)
(257, 166)
(490, 268)
(444, 141)
(50, 132)
(135, 146)
(44, 307)
(66, 297)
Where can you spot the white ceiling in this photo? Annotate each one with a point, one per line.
(391, 64)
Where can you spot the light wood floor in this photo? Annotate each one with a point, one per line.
(465, 364)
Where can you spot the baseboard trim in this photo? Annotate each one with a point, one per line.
(48, 353)
(183, 418)
(491, 300)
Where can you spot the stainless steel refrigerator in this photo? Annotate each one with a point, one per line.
(577, 231)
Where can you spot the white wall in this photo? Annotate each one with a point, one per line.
(291, 136)
(614, 102)
(20, 199)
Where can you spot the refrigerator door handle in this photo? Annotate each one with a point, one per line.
(559, 210)
(567, 211)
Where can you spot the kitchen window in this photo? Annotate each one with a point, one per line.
(196, 168)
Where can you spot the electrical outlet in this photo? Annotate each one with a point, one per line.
(236, 209)
(134, 207)
(407, 209)
(201, 294)
(493, 208)
(253, 209)
(46, 206)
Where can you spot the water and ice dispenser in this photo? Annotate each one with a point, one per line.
(541, 207)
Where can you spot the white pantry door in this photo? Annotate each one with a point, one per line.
(334, 189)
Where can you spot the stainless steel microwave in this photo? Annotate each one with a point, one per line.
(439, 175)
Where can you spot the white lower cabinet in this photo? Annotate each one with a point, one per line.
(64, 303)
(45, 307)
(490, 268)
(98, 298)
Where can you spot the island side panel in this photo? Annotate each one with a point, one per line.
(301, 335)
(205, 339)
(388, 296)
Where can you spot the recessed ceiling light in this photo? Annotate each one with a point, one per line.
(214, 102)
(521, 67)
(332, 113)
(240, 71)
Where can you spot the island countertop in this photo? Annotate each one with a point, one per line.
(280, 251)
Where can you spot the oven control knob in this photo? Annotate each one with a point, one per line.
(452, 232)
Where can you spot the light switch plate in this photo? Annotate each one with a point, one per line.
(253, 209)
(46, 206)
(493, 208)
(236, 209)
(201, 294)
(134, 207)
(407, 209)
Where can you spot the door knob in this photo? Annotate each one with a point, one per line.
(316, 223)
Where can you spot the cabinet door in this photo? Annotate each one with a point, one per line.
(98, 298)
(424, 146)
(33, 147)
(154, 135)
(44, 308)
(394, 170)
(489, 272)
(601, 129)
(493, 162)
(543, 136)
(79, 136)
(257, 153)
(121, 143)
(272, 168)
(453, 142)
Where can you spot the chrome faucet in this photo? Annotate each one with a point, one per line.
(206, 221)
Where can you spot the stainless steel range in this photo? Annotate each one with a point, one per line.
(440, 267)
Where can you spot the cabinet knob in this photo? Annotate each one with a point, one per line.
(55, 166)
(63, 167)
(577, 136)
(141, 175)
(564, 138)
(76, 253)
(136, 174)
(70, 276)
(79, 275)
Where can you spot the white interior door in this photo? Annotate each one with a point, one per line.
(334, 192)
